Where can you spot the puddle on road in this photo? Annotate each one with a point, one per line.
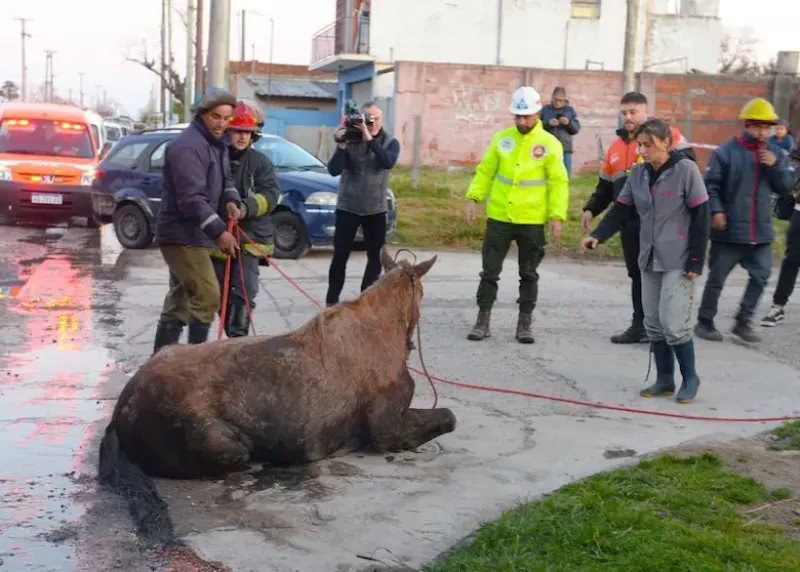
(49, 388)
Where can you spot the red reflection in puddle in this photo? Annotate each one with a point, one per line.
(52, 396)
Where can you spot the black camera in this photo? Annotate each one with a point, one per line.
(353, 119)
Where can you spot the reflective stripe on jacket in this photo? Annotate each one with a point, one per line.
(524, 177)
(267, 249)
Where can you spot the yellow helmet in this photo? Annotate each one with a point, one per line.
(758, 109)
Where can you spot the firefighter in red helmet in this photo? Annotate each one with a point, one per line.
(254, 177)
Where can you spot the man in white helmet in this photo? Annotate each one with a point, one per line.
(523, 174)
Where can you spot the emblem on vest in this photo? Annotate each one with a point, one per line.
(538, 151)
(506, 144)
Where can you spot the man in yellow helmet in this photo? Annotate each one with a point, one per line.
(524, 176)
(741, 177)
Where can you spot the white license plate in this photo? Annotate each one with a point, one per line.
(47, 199)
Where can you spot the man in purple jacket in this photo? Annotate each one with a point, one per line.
(198, 195)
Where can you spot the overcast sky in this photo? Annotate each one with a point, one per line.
(96, 39)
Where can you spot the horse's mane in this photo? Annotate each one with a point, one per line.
(387, 297)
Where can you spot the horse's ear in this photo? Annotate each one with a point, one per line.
(386, 260)
(422, 268)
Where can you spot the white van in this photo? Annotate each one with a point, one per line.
(98, 130)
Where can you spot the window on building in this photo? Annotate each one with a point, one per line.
(586, 9)
(677, 7)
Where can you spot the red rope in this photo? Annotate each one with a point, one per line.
(520, 392)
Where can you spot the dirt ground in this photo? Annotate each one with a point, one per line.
(775, 469)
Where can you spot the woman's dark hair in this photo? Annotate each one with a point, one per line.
(657, 128)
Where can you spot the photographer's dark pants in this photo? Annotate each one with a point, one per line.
(791, 263)
(530, 241)
(629, 238)
(240, 292)
(347, 223)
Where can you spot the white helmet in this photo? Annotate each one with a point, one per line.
(525, 101)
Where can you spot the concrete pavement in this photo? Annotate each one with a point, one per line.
(406, 508)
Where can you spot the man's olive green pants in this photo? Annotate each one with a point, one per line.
(193, 288)
(530, 239)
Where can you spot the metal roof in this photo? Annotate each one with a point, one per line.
(295, 88)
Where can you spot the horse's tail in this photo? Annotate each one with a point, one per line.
(119, 474)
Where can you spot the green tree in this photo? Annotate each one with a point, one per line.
(9, 90)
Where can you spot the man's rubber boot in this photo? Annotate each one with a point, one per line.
(237, 322)
(198, 332)
(635, 334)
(684, 353)
(665, 372)
(167, 333)
(744, 331)
(707, 331)
(524, 334)
(480, 330)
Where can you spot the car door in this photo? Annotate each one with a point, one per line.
(120, 167)
(152, 167)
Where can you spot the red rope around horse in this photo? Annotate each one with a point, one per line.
(431, 378)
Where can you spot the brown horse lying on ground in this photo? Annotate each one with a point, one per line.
(337, 384)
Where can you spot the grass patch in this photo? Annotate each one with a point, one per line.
(432, 214)
(663, 514)
(786, 437)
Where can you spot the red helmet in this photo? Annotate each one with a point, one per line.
(244, 119)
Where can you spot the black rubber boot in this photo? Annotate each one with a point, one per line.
(237, 321)
(691, 383)
(198, 332)
(480, 330)
(167, 333)
(665, 372)
(635, 334)
(524, 333)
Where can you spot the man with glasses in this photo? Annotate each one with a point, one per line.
(191, 222)
(561, 119)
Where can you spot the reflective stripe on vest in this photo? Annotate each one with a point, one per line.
(523, 183)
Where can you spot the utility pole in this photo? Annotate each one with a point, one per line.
(199, 54)
(629, 61)
(23, 35)
(162, 107)
(219, 44)
(188, 84)
(97, 97)
(168, 69)
(243, 34)
(80, 75)
(69, 96)
(48, 75)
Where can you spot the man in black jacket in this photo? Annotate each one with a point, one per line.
(197, 185)
(364, 166)
(254, 176)
(561, 119)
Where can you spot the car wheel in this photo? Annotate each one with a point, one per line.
(291, 236)
(131, 226)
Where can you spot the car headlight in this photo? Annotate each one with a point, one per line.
(322, 198)
(5, 173)
(87, 178)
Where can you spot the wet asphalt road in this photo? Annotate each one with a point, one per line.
(57, 328)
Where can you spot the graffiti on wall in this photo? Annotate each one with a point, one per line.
(475, 104)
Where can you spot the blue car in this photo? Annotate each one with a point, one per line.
(127, 192)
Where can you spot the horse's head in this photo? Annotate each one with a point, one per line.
(406, 272)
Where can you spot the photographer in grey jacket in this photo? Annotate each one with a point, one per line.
(364, 157)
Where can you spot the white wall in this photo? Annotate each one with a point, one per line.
(537, 33)
(673, 37)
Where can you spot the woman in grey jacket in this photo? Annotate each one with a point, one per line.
(668, 193)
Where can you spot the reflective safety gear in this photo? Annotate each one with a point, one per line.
(267, 249)
(758, 109)
(244, 119)
(525, 101)
(524, 176)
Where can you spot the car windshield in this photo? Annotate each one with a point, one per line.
(286, 155)
(45, 137)
(113, 133)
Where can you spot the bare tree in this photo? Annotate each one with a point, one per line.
(173, 80)
(739, 55)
